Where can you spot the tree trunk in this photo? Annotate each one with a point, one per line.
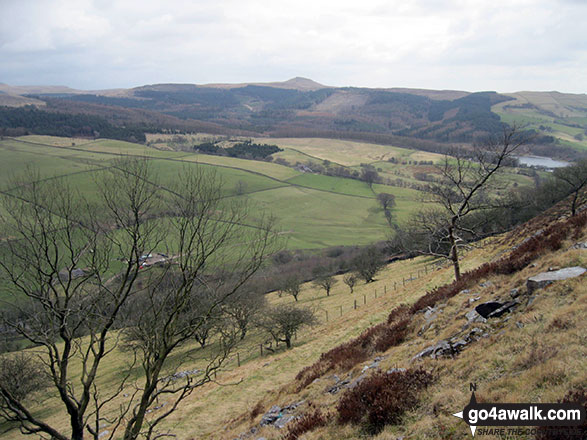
(454, 255)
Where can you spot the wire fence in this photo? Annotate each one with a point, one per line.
(269, 347)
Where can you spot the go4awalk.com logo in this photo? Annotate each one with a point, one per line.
(566, 416)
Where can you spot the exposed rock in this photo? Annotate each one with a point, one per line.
(271, 416)
(357, 381)
(473, 316)
(186, 373)
(395, 370)
(430, 311)
(579, 245)
(514, 293)
(486, 308)
(472, 300)
(278, 416)
(465, 291)
(526, 240)
(545, 278)
(338, 385)
(485, 284)
(282, 421)
(451, 347)
(434, 351)
(505, 307)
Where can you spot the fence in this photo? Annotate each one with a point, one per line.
(269, 346)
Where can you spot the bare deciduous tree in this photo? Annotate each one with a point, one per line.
(368, 263)
(464, 189)
(81, 282)
(244, 307)
(282, 322)
(325, 282)
(574, 181)
(387, 202)
(291, 286)
(350, 279)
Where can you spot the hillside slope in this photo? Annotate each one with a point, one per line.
(534, 352)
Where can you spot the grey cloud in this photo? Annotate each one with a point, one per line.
(427, 43)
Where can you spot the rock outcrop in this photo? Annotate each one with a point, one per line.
(545, 278)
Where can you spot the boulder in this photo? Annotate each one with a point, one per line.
(505, 307)
(395, 370)
(545, 278)
(487, 308)
(282, 421)
(473, 316)
(271, 416)
(451, 347)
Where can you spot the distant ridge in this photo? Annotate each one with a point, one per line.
(297, 83)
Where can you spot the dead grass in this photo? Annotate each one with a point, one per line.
(534, 354)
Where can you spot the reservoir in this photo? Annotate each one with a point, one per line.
(541, 161)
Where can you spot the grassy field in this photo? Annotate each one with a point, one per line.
(346, 153)
(314, 211)
(555, 114)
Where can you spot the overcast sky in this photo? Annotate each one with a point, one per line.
(502, 45)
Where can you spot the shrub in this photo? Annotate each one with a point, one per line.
(306, 423)
(257, 409)
(382, 399)
(392, 336)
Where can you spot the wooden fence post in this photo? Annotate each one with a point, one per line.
(326, 311)
(238, 358)
(340, 310)
(355, 304)
(364, 299)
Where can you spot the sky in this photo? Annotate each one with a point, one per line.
(473, 45)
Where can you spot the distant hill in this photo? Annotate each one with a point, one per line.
(303, 107)
(297, 83)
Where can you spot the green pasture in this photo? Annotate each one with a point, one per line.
(347, 153)
(312, 211)
(333, 184)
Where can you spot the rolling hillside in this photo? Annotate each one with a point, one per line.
(561, 115)
(534, 352)
(303, 108)
(314, 211)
